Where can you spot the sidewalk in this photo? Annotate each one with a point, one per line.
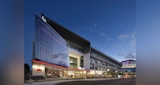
(64, 80)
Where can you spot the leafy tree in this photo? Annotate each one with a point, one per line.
(26, 69)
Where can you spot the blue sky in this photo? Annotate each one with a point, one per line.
(110, 25)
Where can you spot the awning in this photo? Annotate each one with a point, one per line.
(56, 66)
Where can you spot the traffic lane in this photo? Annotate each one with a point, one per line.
(101, 82)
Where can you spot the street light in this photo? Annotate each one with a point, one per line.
(107, 72)
(116, 73)
(108, 69)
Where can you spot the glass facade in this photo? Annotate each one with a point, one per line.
(73, 62)
(49, 45)
(92, 62)
(129, 64)
(101, 65)
(95, 64)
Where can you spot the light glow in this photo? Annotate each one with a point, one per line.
(108, 69)
(92, 72)
(38, 67)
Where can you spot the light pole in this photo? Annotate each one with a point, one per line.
(107, 72)
(116, 73)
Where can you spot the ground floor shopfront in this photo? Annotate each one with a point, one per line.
(129, 75)
(54, 71)
(63, 73)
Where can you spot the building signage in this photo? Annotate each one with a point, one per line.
(38, 70)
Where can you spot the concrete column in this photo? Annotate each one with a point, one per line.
(86, 61)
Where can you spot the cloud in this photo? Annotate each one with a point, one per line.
(128, 55)
(124, 36)
(131, 36)
(95, 24)
(93, 27)
(102, 34)
(133, 42)
(109, 39)
(133, 39)
(121, 55)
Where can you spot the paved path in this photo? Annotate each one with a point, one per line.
(86, 82)
(101, 82)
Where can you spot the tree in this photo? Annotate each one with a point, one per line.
(130, 55)
(26, 69)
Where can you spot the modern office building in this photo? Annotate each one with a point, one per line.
(60, 53)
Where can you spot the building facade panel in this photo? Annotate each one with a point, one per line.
(86, 61)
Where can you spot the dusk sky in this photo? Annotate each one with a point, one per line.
(110, 25)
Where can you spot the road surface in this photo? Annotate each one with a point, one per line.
(87, 82)
(101, 82)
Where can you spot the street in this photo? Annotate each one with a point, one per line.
(87, 82)
(100, 82)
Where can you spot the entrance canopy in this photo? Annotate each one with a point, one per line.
(56, 66)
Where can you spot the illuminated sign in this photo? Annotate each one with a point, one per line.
(38, 70)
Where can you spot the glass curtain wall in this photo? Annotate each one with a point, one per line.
(49, 45)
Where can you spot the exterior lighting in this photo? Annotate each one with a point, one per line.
(108, 69)
(79, 68)
(43, 18)
(71, 61)
(36, 66)
(92, 72)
